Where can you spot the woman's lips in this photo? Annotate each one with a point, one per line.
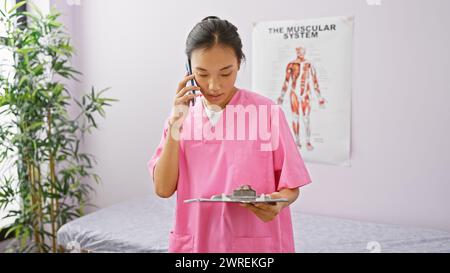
(214, 98)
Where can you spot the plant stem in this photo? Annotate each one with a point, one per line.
(53, 199)
(33, 205)
(40, 200)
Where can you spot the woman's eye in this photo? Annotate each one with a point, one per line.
(223, 75)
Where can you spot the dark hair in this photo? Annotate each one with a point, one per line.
(211, 31)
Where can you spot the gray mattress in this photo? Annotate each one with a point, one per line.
(143, 225)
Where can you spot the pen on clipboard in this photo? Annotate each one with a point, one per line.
(193, 83)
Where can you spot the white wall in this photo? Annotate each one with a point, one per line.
(400, 119)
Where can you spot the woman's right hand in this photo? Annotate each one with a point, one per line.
(181, 101)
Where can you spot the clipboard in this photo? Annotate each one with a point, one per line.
(243, 194)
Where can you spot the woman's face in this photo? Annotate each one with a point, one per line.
(215, 71)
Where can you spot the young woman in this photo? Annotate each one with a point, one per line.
(226, 155)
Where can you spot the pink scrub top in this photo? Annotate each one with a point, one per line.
(210, 165)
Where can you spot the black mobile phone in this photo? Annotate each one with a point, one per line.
(193, 82)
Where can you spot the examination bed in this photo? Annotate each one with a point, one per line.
(143, 225)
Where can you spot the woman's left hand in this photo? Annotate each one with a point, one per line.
(264, 211)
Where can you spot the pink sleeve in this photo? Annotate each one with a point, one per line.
(152, 162)
(290, 170)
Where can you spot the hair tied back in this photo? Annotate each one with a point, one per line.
(211, 18)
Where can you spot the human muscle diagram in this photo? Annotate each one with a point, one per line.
(302, 70)
(305, 67)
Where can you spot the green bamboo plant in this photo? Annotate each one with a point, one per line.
(52, 177)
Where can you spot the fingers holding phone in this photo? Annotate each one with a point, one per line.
(182, 98)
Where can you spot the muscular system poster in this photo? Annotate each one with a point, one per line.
(305, 66)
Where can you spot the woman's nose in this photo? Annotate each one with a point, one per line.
(213, 85)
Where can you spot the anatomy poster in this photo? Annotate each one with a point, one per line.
(305, 66)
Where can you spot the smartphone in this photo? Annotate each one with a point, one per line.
(193, 82)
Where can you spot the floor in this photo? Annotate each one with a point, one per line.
(3, 245)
